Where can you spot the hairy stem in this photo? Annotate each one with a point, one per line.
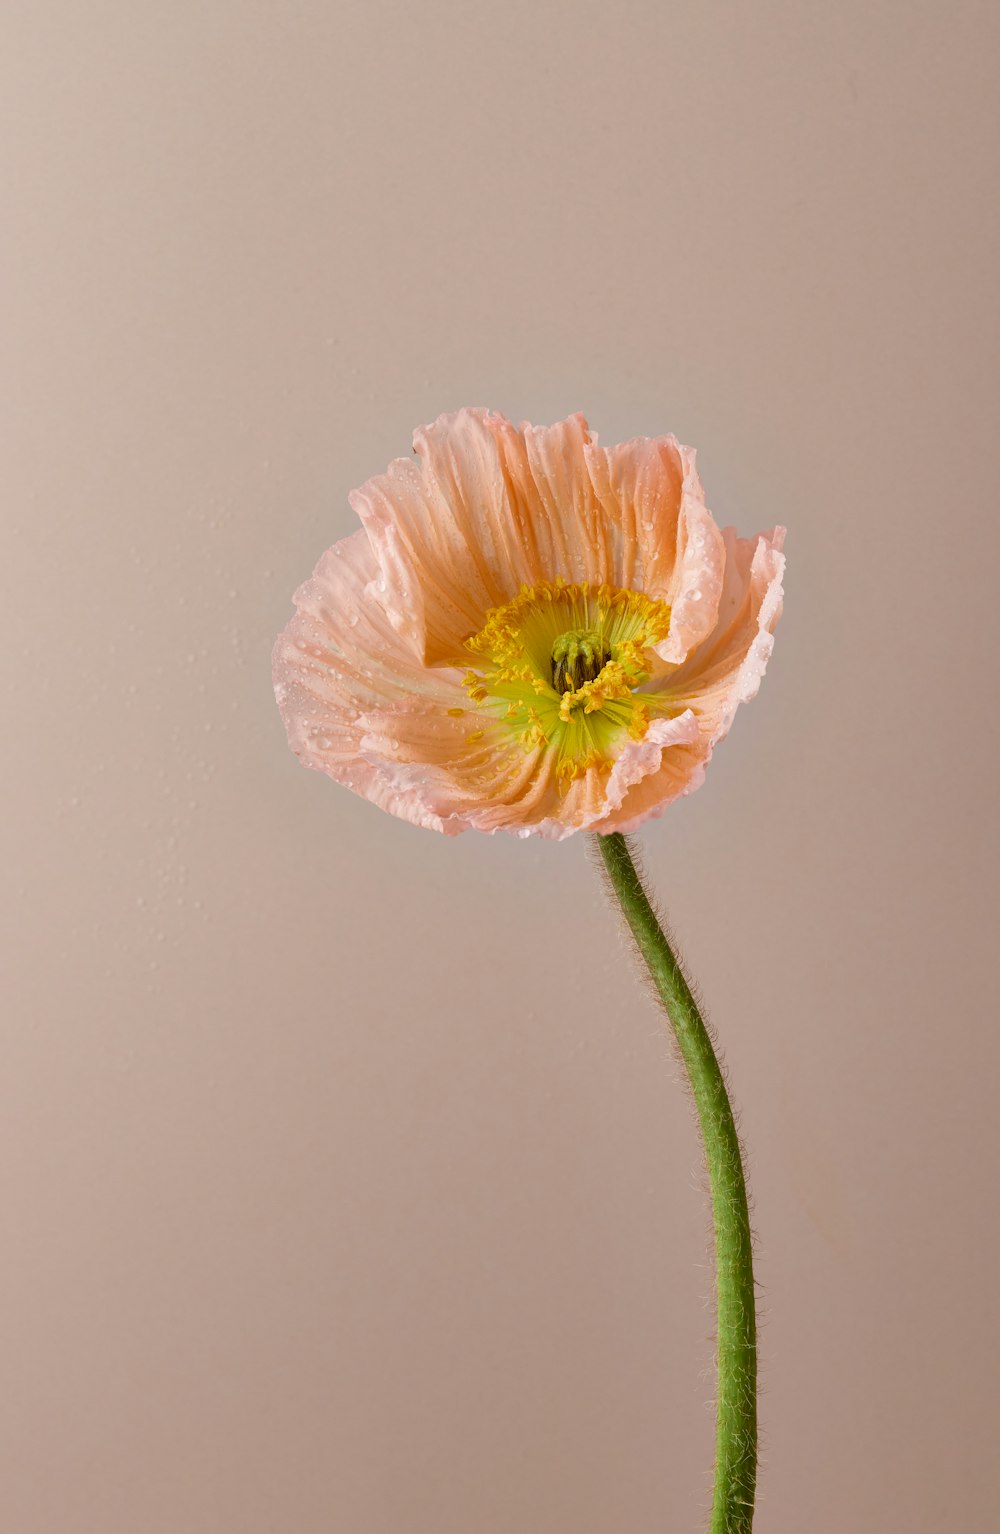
(736, 1420)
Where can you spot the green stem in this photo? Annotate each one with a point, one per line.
(736, 1420)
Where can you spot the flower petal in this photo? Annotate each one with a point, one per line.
(468, 777)
(668, 761)
(727, 669)
(670, 547)
(339, 656)
(489, 509)
(574, 535)
(463, 775)
(722, 673)
(640, 758)
(681, 771)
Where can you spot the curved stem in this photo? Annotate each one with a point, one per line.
(736, 1421)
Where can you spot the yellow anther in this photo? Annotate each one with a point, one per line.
(558, 665)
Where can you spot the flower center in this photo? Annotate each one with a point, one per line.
(561, 667)
(578, 656)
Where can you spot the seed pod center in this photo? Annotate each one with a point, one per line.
(578, 656)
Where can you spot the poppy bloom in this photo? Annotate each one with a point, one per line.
(530, 632)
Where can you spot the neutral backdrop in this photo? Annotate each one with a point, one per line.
(346, 1183)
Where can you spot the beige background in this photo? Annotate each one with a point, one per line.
(346, 1184)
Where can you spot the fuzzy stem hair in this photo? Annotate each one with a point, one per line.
(736, 1409)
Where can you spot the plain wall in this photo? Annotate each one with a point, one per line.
(347, 1184)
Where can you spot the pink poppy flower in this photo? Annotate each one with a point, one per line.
(530, 632)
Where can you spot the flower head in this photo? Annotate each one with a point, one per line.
(529, 633)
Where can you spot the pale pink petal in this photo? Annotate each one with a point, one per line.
(727, 669)
(447, 538)
(427, 579)
(465, 775)
(681, 771)
(671, 756)
(639, 486)
(574, 809)
(722, 673)
(468, 777)
(669, 545)
(340, 656)
(639, 758)
(490, 508)
(579, 541)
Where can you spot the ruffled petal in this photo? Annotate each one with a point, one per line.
(575, 537)
(490, 508)
(723, 672)
(669, 546)
(339, 657)
(465, 776)
(727, 669)
(668, 761)
(681, 771)
(472, 778)
(640, 758)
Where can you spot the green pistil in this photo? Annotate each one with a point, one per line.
(578, 656)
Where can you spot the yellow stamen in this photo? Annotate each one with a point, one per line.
(559, 666)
